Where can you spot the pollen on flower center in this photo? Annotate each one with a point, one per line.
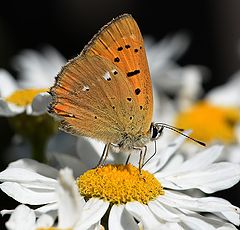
(210, 122)
(119, 184)
(24, 97)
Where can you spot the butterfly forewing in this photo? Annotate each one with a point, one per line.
(121, 43)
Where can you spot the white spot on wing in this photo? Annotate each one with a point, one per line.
(85, 88)
(114, 71)
(107, 76)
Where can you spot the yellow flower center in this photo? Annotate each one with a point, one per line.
(24, 97)
(119, 184)
(209, 122)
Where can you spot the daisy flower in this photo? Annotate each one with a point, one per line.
(24, 101)
(215, 118)
(36, 75)
(70, 210)
(166, 74)
(122, 198)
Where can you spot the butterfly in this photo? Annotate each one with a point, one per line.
(106, 92)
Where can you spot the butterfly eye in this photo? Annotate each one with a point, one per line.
(156, 132)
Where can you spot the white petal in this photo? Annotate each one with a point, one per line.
(93, 149)
(40, 103)
(66, 160)
(227, 94)
(233, 217)
(52, 207)
(161, 53)
(161, 158)
(37, 69)
(35, 166)
(69, 200)
(28, 196)
(45, 221)
(204, 204)
(203, 159)
(92, 212)
(196, 223)
(213, 221)
(120, 219)
(165, 213)
(216, 177)
(7, 84)
(27, 178)
(173, 163)
(22, 218)
(142, 213)
(9, 109)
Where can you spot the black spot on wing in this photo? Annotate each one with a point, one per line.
(137, 91)
(132, 73)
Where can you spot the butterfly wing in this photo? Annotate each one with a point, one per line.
(121, 42)
(105, 92)
(86, 95)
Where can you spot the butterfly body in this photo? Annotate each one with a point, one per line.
(106, 92)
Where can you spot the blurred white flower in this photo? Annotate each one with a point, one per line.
(29, 93)
(71, 211)
(166, 74)
(215, 118)
(165, 207)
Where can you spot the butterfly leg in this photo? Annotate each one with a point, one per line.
(104, 155)
(142, 157)
(128, 158)
(155, 151)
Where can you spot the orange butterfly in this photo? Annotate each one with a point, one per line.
(106, 92)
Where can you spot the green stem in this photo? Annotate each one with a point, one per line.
(39, 150)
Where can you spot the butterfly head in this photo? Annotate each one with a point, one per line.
(156, 131)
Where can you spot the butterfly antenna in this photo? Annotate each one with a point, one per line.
(180, 131)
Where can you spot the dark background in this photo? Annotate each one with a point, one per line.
(69, 24)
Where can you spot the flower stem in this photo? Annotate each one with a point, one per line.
(37, 130)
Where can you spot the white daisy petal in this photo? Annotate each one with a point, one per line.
(69, 200)
(162, 157)
(46, 208)
(120, 219)
(162, 211)
(217, 223)
(94, 151)
(142, 213)
(227, 94)
(215, 177)
(34, 166)
(196, 223)
(28, 196)
(92, 212)
(8, 84)
(27, 178)
(231, 216)
(40, 103)
(22, 212)
(64, 160)
(45, 221)
(203, 159)
(37, 69)
(207, 204)
(173, 163)
(9, 109)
